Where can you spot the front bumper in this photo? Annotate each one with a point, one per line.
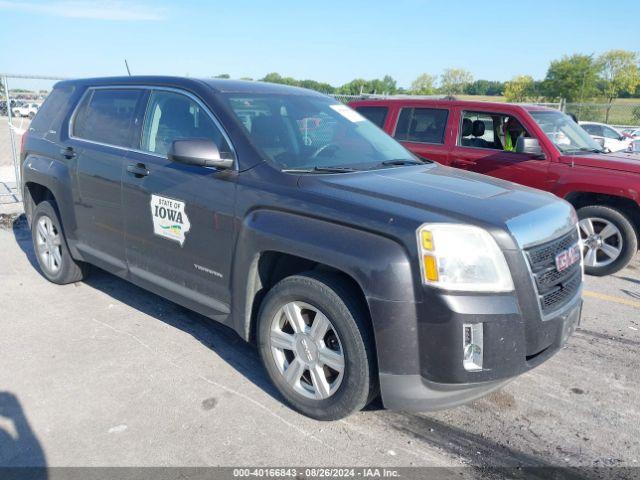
(422, 369)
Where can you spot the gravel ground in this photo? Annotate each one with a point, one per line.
(102, 373)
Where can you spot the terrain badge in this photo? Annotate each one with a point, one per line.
(169, 218)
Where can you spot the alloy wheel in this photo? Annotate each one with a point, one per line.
(48, 245)
(602, 241)
(307, 350)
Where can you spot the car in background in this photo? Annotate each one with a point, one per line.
(633, 133)
(26, 110)
(609, 137)
(534, 146)
(634, 147)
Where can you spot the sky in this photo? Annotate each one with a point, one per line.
(330, 41)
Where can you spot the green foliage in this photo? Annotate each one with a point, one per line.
(573, 78)
(485, 87)
(636, 114)
(520, 89)
(618, 72)
(223, 75)
(424, 85)
(453, 81)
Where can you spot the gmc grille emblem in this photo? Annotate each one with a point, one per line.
(568, 257)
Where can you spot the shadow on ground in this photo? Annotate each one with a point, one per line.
(221, 339)
(19, 446)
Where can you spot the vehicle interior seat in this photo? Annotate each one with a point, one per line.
(176, 121)
(467, 129)
(270, 134)
(477, 130)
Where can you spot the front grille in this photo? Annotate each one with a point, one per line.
(555, 289)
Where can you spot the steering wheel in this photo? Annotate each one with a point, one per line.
(323, 148)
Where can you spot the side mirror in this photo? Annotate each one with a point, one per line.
(529, 146)
(200, 152)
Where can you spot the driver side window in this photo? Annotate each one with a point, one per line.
(172, 116)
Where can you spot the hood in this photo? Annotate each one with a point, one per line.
(624, 162)
(435, 193)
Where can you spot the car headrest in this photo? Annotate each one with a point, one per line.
(467, 127)
(477, 128)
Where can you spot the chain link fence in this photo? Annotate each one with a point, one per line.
(20, 98)
(620, 114)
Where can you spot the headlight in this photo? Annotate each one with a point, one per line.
(462, 257)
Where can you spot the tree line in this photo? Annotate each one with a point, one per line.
(574, 78)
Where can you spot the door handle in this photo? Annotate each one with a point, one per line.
(139, 170)
(463, 162)
(68, 153)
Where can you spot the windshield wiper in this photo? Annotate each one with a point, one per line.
(317, 169)
(401, 161)
(584, 150)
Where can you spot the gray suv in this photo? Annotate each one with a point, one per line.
(358, 269)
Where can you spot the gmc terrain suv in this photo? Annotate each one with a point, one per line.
(355, 267)
(534, 146)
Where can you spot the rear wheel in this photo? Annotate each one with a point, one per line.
(608, 237)
(316, 344)
(51, 249)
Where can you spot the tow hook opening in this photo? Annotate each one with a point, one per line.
(472, 346)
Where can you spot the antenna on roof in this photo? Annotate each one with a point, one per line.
(127, 65)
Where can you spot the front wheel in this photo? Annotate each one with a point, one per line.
(316, 345)
(609, 239)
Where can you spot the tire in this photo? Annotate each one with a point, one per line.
(50, 247)
(609, 238)
(318, 388)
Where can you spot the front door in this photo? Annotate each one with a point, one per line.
(486, 144)
(179, 219)
(102, 130)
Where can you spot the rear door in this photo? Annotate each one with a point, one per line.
(481, 147)
(101, 132)
(179, 218)
(423, 131)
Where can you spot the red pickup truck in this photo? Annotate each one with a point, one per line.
(534, 146)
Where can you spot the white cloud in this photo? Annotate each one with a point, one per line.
(97, 10)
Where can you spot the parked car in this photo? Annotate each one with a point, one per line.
(25, 110)
(610, 137)
(353, 266)
(546, 150)
(633, 133)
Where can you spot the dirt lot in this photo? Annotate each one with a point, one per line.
(103, 373)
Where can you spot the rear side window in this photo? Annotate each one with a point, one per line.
(52, 110)
(375, 115)
(107, 116)
(593, 129)
(424, 125)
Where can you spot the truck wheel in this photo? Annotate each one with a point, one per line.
(51, 249)
(316, 345)
(609, 239)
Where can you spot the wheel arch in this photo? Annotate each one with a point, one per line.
(625, 205)
(273, 245)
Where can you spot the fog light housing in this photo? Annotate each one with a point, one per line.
(472, 346)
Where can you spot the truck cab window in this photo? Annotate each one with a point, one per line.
(172, 116)
(490, 130)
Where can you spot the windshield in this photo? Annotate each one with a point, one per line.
(308, 132)
(567, 135)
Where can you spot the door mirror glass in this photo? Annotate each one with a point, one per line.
(200, 152)
(529, 146)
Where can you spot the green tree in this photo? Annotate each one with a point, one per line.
(573, 78)
(519, 89)
(453, 81)
(485, 87)
(223, 75)
(424, 85)
(618, 72)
